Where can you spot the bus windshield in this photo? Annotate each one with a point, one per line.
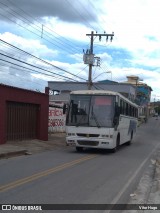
(91, 110)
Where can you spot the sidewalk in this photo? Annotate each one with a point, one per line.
(27, 147)
(147, 192)
(148, 189)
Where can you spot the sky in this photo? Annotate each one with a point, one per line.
(44, 40)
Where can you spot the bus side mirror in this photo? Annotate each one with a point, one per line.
(115, 121)
(117, 112)
(64, 108)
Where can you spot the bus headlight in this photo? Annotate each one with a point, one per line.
(71, 134)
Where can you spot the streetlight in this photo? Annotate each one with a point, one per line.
(103, 73)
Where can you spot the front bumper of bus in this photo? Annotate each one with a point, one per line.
(101, 141)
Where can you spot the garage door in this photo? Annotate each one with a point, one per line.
(21, 121)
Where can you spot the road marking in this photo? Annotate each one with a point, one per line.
(44, 173)
(115, 200)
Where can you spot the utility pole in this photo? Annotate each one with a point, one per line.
(90, 65)
(90, 56)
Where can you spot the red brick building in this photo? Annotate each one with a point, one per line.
(23, 114)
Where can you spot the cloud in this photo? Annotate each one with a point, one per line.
(78, 69)
(21, 75)
(20, 78)
(32, 46)
(132, 22)
(25, 73)
(135, 48)
(65, 10)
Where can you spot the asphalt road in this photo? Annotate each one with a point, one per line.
(64, 176)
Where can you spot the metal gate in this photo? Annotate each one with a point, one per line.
(21, 121)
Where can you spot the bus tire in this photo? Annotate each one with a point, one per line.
(117, 144)
(130, 141)
(79, 149)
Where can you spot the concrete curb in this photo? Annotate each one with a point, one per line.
(12, 154)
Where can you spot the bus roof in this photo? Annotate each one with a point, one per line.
(93, 92)
(101, 92)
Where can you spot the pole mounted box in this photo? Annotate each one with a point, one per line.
(88, 59)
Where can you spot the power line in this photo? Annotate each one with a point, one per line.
(24, 69)
(97, 87)
(24, 78)
(29, 15)
(82, 70)
(90, 55)
(45, 39)
(39, 34)
(41, 59)
(103, 21)
(40, 28)
(61, 47)
(97, 10)
(82, 17)
(27, 68)
(55, 44)
(35, 66)
(90, 14)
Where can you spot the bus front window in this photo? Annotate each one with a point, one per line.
(103, 111)
(79, 111)
(91, 110)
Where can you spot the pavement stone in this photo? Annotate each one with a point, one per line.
(16, 148)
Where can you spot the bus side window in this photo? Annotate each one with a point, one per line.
(130, 110)
(116, 116)
(126, 108)
(134, 110)
(121, 107)
(117, 110)
(136, 113)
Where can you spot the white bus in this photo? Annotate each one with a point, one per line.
(100, 119)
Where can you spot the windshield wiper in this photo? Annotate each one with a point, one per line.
(78, 124)
(95, 118)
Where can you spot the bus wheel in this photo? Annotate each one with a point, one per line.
(117, 144)
(130, 141)
(79, 149)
